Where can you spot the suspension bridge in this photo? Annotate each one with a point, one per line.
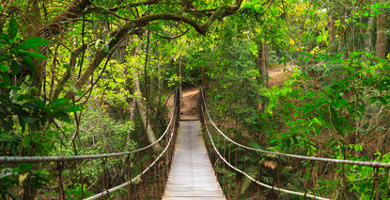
(190, 172)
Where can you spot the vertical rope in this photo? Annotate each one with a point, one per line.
(155, 177)
(215, 153)
(60, 167)
(235, 177)
(229, 185)
(136, 186)
(81, 181)
(308, 180)
(375, 184)
(105, 187)
(140, 181)
(278, 169)
(224, 165)
(127, 172)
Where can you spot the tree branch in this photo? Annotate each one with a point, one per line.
(119, 34)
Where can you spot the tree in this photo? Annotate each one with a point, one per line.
(381, 33)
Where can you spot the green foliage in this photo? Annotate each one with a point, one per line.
(75, 189)
(342, 106)
(361, 178)
(26, 120)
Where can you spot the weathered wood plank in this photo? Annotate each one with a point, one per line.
(192, 176)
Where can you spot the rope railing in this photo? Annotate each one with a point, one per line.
(60, 160)
(311, 158)
(38, 159)
(204, 112)
(256, 181)
(143, 172)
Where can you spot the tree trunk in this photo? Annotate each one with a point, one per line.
(332, 31)
(133, 110)
(263, 67)
(381, 36)
(368, 33)
(142, 109)
(180, 83)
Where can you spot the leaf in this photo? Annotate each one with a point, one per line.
(4, 37)
(3, 68)
(382, 100)
(5, 78)
(15, 68)
(252, 172)
(29, 105)
(256, 146)
(29, 65)
(64, 117)
(74, 108)
(22, 123)
(13, 28)
(40, 103)
(30, 120)
(60, 101)
(32, 54)
(22, 178)
(34, 43)
(12, 88)
(105, 48)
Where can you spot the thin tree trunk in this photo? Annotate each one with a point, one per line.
(133, 109)
(180, 82)
(142, 109)
(265, 65)
(332, 31)
(368, 33)
(381, 36)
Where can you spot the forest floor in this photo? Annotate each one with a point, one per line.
(190, 95)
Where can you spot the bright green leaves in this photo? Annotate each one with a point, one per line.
(33, 111)
(20, 111)
(34, 43)
(3, 68)
(17, 54)
(32, 54)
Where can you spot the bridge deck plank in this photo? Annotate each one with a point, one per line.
(192, 176)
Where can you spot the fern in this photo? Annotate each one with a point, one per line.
(252, 172)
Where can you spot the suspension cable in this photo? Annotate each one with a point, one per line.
(256, 181)
(38, 159)
(134, 180)
(313, 158)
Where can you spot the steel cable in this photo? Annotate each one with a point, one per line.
(313, 158)
(37, 159)
(134, 180)
(256, 181)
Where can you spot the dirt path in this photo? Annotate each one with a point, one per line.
(191, 95)
(278, 74)
(190, 102)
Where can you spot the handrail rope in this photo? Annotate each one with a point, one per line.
(136, 177)
(256, 181)
(313, 158)
(38, 159)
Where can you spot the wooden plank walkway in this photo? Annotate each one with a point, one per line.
(191, 175)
